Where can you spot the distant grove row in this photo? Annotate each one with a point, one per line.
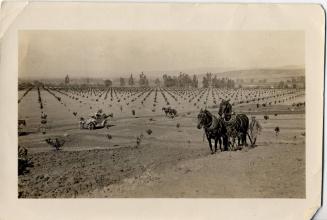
(182, 80)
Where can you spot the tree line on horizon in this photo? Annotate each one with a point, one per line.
(182, 80)
(209, 80)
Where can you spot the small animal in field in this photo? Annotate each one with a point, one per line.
(170, 112)
(56, 143)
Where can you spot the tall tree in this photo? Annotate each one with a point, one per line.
(108, 82)
(67, 80)
(182, 80)
(195, 81)
(131, 80)
(281, 85)
(143, 80)
(157, 82)
(205, 82)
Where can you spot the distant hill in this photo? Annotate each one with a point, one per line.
(280, 72)
(263, 74)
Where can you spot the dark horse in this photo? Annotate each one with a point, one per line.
(214, 129)
(236, 126)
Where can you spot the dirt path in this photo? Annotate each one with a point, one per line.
(258, 172)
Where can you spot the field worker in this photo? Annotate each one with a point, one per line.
(255, 129)
(98, 113)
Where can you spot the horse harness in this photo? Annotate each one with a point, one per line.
(212, 127)
(231, 121)
(230, 126)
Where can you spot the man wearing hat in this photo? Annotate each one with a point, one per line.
(255, 129)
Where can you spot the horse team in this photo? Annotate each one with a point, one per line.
(224, 129)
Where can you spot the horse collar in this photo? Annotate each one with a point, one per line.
(213, 124)
(209, 125)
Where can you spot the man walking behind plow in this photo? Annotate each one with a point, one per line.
(255, 129)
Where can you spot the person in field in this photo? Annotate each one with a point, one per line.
(255, 129)
(98, 113)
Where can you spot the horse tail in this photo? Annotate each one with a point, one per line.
(242, 122)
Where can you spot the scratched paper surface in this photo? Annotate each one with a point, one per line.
(220, 105)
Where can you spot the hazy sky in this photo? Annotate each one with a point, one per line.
(111, 53)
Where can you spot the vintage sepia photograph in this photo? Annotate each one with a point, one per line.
(161, 114)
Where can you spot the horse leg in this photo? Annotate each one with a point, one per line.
(210, 144)
(233, 144)
(219, 139)
(230, 143)
(225, 142)
(216, 141)
(240, 137)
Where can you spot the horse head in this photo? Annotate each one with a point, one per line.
(204, 117)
